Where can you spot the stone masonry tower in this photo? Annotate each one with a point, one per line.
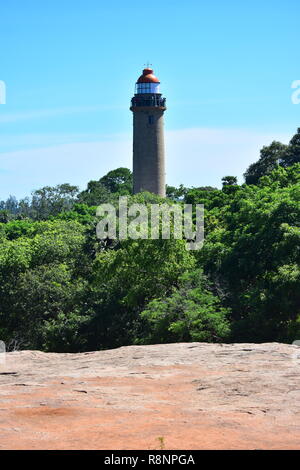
(148, 108)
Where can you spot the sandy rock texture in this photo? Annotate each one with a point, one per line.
(170, 396)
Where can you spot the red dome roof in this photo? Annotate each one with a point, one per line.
(148, 77)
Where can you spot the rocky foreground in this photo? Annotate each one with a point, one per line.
(170, 396)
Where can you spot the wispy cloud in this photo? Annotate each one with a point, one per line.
(194, 157)
(13, 142)
(75, 163)
(46, 113)
(202, 156)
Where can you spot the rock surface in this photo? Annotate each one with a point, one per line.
(171, 396)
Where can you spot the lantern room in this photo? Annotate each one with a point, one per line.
(147, 83)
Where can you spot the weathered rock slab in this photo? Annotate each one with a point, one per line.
(172, 396)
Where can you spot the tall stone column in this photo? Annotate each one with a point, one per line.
(148, 108)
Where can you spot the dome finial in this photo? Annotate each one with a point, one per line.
(147, 76)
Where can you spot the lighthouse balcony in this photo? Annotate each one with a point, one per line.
(152, 100)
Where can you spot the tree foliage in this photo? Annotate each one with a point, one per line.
(62, 289)
(272, 157)
(190, 313)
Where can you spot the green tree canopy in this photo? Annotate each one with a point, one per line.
(190, 313)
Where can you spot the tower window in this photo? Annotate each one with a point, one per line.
(150, 119)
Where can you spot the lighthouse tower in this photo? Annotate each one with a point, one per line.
(148, 107)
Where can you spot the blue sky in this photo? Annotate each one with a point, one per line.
(70, 66)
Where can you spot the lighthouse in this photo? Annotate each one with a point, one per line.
(148, 107)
